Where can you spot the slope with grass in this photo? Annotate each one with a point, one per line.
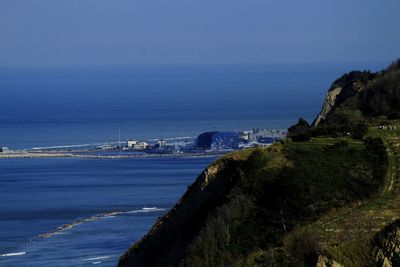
(348, 235)
(241, 213)
(326, 196)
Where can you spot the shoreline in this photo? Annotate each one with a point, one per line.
(25, 154)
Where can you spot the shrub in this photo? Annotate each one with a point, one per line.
(300, 131)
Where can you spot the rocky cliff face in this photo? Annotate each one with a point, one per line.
(329, 104)
(387, 246)
(341, 90)
(384, 249)
(324, 261)
(167, 240)
(248, 208)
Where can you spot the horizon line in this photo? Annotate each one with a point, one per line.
(146, 65)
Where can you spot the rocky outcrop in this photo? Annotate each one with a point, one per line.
(387, 246)
(206, 214)
(383, 247)
(324, 261)
(168, 239)
(329, 104)
(341, 90)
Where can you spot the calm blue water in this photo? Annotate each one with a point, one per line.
(69, 106)
(72, 106)
(40, 195)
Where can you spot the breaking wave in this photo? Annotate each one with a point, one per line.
(97, 258)
(13, 254)
(96, 217)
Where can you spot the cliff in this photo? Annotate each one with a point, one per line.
(342, 89)
(369, 94)
(330, 199)
(170, 236)
(240, 210)
(386, 246)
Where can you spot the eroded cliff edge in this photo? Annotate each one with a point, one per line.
(242, 209)
(170, 236)
(322, 200)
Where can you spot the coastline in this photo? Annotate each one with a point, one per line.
(100, 208)
(26, 154)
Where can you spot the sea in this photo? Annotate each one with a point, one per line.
(84, 212)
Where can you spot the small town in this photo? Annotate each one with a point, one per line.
(207, 143)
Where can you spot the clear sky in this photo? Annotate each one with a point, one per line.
(154, 32)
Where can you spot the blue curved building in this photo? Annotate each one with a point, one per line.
(218, 140)
(225, 140)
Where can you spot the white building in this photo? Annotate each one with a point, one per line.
(131, 143)
(161, 143)
(141, 145)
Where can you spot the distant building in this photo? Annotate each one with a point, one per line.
(236, 140)
(246, 135)
(261, 133)
(225, 140)
(203, 141)
(131, 143)
(141, 145)
(161, 143)
(218, 140)
(138, 145)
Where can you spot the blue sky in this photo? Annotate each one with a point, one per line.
(164, 32)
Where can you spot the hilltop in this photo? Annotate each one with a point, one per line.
(326, 196)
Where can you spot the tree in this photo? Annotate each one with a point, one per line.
(300, 131)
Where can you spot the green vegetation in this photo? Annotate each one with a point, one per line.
(378, 98)
(330, 190)
(338, 125)
(284, 187)
(301, 131)
(382, 95)
(351, 83)
(347, 235)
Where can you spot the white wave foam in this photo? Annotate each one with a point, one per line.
(109, 217)
(97, 258)
(96, 262)
(149, 208)
(112, 214)
(13, 254)
(143, 210)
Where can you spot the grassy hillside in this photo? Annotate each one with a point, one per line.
(285, 187)
(348, 234)
(329, 193)
(378, 99)
(266, 194)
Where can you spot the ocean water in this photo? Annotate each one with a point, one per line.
(109, 204)
(91, 211)
(81, 105)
